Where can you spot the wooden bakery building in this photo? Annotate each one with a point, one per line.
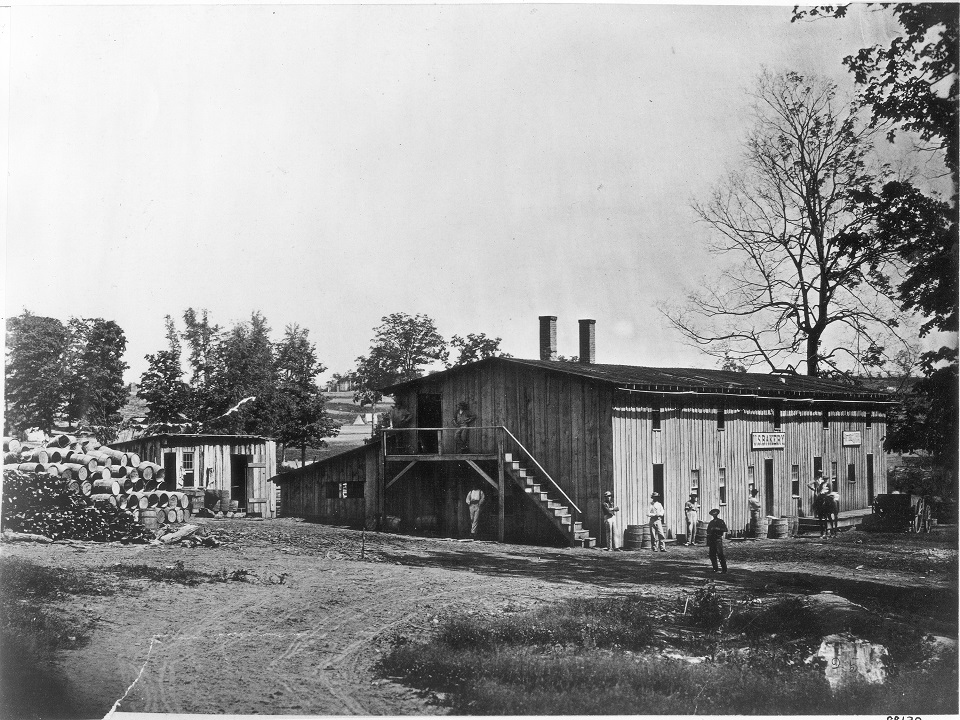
(548, 438)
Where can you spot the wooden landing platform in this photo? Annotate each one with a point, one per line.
(446, 457)
(845, 520)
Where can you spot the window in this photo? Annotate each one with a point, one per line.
(869, 418)
(723, 486)
(777, 417)
(851, 473)
(354, 489)
(720, 418)
(825, 419)
(795, 480)
(188, 474)
(655, 418)
(695, 481)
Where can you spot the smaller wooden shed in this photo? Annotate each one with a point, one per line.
(240, 465)
(341, 489)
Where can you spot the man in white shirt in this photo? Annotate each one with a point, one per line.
(656, 512)
(475, 500)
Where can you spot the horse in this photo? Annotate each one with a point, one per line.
(827, 510)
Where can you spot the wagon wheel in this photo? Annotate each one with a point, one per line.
(918, 516)
(927, 517)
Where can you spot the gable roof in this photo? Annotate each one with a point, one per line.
(702, 380)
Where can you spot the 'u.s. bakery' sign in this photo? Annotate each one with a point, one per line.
(767, 440)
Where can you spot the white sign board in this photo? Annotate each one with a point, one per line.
(768, 441)
(852, 439)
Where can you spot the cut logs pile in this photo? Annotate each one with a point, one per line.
(102, 476)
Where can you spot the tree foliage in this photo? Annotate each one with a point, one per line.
(302, 419)
(401, 346)
(802, 286)
(162, 387)
(93, 378)
(474, 347)
(34, 372)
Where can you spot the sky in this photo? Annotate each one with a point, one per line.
(329, 165)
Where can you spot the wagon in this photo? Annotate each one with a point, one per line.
(897, 512)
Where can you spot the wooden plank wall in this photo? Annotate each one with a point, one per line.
(211, 461)
(689, 440)
(303, 490)
(565, 421)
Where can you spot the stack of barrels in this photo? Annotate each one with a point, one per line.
(101, 474)
(637, 537)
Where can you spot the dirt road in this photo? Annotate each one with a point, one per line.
(300, 630)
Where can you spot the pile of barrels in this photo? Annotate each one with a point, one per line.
(101, 474)
(775, 528)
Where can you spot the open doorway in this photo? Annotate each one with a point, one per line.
(240, 479)
(768, 485)
(429, 415)
(169, 471)
(658, 483)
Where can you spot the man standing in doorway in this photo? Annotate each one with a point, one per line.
(656, 512)
(691, 508)
(609, 521)
(475, 501)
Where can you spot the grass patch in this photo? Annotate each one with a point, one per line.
(176, 573)
(610, 656)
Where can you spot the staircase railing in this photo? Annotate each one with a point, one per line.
(413, 433)
(540, 468)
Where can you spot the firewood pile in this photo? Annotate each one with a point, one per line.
(64, 483)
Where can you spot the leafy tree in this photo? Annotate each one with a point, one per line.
(161, 386)
(911, 85)
(246, 371)
(402, 345)
(804, 287)
(203, 344)
(302, 418)
(93, 382)
(34, 372)
(475, 347)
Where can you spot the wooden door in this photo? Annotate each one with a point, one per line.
(768, 485)
(170, 471)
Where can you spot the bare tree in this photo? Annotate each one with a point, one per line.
(805, 285)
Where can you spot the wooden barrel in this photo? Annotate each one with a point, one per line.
(37, 455)
(150, 485)
(86, 488)
(153, 500)
(133, 460)
(758, 527)
(101, 459)
(74, 486)
(85, 460)
(172, 500)
(163, 500)
(80, 472)
(137, 483)
(224, 501)
(180, 514)
(52, 469)
(30, 467)
(149, 519)
(701, 538)
(196, 496)
(98, 498)
(793, 524)
(140, 500)
(11, 444)
(90, 444)
(100, 473)
(183, 500)
(126, 483)
(110, 487)
(133, 473)
(777, 528)
(636, 537)
(146, 470)
(119, 458)
(171, 515)
(118, 471)
(62, 441)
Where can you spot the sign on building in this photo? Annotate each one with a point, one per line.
(852, 439)
(768, 440)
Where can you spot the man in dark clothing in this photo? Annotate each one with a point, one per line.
(715, 532)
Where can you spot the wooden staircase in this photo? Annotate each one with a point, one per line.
(558, 513)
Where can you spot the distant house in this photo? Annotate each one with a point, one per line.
(550, 437)
(238, 464)
(341, 385)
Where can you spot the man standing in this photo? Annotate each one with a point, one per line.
(475, 501)
(609, 520)
(656, 512)
(754, 505)
(691, 508)
(463, 419)
(715, 532)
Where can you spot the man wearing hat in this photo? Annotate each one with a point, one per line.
(609, 521)
(715, 532)
(656, 512)
(691, 509)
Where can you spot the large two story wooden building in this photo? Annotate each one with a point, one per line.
(550, 437)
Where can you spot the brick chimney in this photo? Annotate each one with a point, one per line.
(548, 337)
(588, 342)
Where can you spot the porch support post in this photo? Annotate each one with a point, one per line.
(502, 488)
(381, 489)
